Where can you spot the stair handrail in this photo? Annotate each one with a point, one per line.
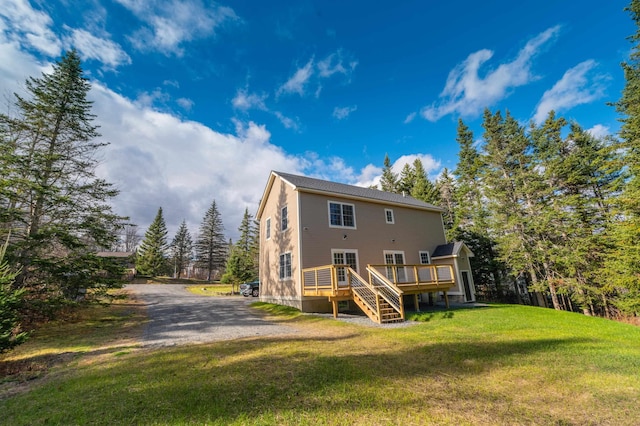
(387, 290)
(364, 290)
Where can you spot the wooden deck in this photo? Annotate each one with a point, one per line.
(385, 288)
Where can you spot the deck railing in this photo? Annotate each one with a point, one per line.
(416, 275)
(319, 280)
(365, 291)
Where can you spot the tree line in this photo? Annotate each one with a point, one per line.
(210, 255)
(551, 211)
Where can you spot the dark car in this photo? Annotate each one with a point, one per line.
(250, 289)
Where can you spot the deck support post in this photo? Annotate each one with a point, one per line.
(446, 299)
(334, 303)
(416, 303)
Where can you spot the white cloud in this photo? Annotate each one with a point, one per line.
(599, 131)
(467, 94)
(185, 104)
(410, 117)
(335, 63)
(29, 27)
(371, 174)
(297, 82)
(574, 88)
(157, 159)
(245, 101)
(169, 24)
(287, 122)
(344, 112)
(91, 47)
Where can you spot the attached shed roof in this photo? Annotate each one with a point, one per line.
(307, 184)
(451, 249)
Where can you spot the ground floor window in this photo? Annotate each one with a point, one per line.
(285, 266)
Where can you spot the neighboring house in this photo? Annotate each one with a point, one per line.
(323, 243)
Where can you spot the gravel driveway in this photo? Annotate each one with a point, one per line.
(177, 316)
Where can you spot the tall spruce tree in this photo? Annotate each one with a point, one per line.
(622, 262)
(211, 245)
(389, 179)
(471, 218)
(423, 189)
(56, 208)
(152, 253)
(181, 249)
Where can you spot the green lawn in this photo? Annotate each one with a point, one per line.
(495, 365)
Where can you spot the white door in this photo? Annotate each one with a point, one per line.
(344, 257)
(396, 274)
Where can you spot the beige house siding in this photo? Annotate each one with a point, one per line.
(272, 288)
(412, 231)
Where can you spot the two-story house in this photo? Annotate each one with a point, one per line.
(323, 242)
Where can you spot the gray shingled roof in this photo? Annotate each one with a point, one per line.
(448, 249)
(312, 184)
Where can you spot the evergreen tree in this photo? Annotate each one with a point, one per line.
(211, 246)
(50, 199)
(152, 258)
(422, 188)
(446, 188)
(622, 264)
(10, 301)
(242, 264)
(389, 180)
(181, 249)
(407, 179)
(471, 217)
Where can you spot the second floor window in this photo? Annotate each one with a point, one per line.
(388, 214)
(342, 215)
(284, 221)
(268, 230)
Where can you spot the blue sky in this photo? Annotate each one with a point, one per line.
(200, 100)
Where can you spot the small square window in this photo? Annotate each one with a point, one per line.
(425, 259)
(388, 215)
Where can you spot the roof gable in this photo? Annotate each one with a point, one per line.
(451, 249)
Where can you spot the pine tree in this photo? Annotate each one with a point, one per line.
(56, 208)
(622, 264)
(407, 179)
(152, 259)
(211, 246)
(181, 249)
(10, 301)
(446, 188)
(242, 264)
(389, 180)
(422, 188)
(471, 217)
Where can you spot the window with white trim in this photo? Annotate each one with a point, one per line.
(342, 215)
(425, 258)
(388, 215)
(285, 266)
(268, 228)
(284, 219)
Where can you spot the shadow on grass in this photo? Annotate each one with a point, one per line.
(243, 381)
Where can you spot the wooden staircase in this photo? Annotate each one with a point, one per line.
(388, 314)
